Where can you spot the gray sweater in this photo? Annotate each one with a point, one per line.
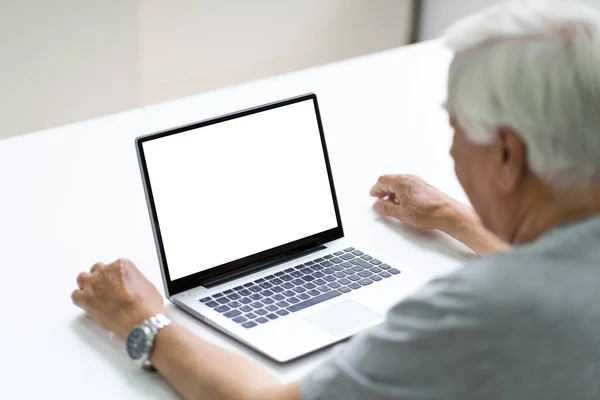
(518, 325)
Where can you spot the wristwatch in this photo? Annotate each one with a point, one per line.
(140, 340)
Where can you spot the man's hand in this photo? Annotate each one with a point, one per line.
(414, 202)
(419, 205)
(117, 296)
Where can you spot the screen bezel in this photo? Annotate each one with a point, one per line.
(191, 281)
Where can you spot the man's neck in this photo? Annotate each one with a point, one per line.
(545, 210)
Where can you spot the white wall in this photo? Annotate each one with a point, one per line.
(437, 15)
(68, 60)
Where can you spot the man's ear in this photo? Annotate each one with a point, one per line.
(512, 156)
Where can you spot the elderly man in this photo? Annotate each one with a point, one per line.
(521, 323)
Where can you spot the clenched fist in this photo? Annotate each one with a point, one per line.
(117, 296)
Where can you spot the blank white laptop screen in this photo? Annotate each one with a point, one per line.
(233, 189)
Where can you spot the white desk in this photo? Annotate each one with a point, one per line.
(72, 196)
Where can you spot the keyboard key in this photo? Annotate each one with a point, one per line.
(233, 314)
(309, 285)
(247, 285)
(245, 292)
(394, 271)
(280, 273)
(282, 313)
(328, 271)
(273, 307)
(344, 290)
(234, 304)
(338, 253)
(287, 278)
(336, 260)
(261, 311)
(212, 304)
(309, 263)
(260, 280)
(277, 289)
(261, 320)
(222, 309)
(246, 308)
(298, 282)
(281, 304)
(268, 301)
(354, 278)
(289, 293)
(249, 325)
(303, 296)
(293, 300)
(287, 285)
(289, 270)
(365, 282)
(362, 263)
(319, 260)
(349, 271)
(349, 249)
(384, 266)
(234, 296)
(278, 297)
(365, 273)
(329, 278)
(334, 285)
(299, 289)
(347, 256)
(327, 263)
(354, 286)
(269, 277)
(346, 264)
(306, 270)
(375, 262)
(324, 289)
(245, 300)
(223, 300)
(255, 289)
(315, 300)
(344, 281)
(276, 281)
(328, 256)
(240, 320)
(376, 270)
(375, 278)
(314, 292)
(320, 282)
(309, 278)
(297, 274)
(238, 288)
(358, 268)
(266, 285)
(257, 304)
(266, 293)
(205, 300)
(367, 257)
(218, 295)
(385, 274)
(318, 274)
(317, 267)
(337, 268)
(272, 316)
(358, 253)
(256, 296)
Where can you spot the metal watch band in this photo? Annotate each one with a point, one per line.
(155, 323)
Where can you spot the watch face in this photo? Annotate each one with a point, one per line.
(137, 344)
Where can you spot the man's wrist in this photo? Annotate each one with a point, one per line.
(459, 220)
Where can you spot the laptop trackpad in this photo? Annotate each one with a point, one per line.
(343, 318)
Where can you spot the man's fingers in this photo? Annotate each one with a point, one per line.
(82, 278)
(78, 298)
(97, 267)
(386, 207)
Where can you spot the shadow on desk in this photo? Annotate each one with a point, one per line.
(148, 385)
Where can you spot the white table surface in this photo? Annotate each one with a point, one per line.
(72, 195)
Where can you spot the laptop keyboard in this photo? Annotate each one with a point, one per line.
(298, 288)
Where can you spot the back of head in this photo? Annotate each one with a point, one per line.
(533, 66)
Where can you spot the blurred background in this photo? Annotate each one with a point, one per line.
(69, 60)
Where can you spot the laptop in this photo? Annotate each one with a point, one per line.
(249, 233)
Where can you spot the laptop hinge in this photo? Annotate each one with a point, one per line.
(260, 265)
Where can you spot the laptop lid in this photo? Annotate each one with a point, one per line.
(238, 193)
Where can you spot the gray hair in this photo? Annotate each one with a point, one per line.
(533, 66)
